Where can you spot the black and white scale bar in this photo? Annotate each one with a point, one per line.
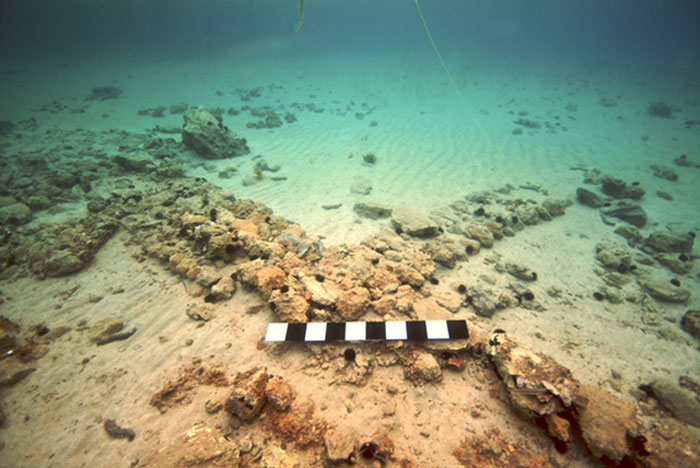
(322, 332)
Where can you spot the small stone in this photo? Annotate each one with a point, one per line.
(632, 214)
(222, 290)
(15, 214)
(669, 242)
(678, 401)
(413, 223)
(105, 328)
(62, 263)
(521, 272)
(619, 189)
(424, 367)
(340, 445)
(664, 172)
(279, 393)
(691, 323)
(189, 342)
(589, 198)
(663, 289)
(361, 185)
(371, 210)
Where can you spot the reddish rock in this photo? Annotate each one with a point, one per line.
(269, 278)
(353, 303)
(279, 393)
(607, 424)
(558, 427)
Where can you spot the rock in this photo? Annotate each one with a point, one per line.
(102, 93)
(589, 198)
(279, 393)
(660, 109)
(480, 233)
(320, 292)
(340, 445)
(619, 189)
(205, 134)
(134, 164)
(560, 428)
(666, 242)
(222, 290)
(12, 372)
(681, 264)
(15, 214)
(246, 399)
(663, 290)
(423, 366)
(201, 445)
(632, 214)
(274, 456)
(691, 323)
(606, 423)
(269, 278)
(105, 328)
(371, 210)
(290, 306)
(614, 257)
(361, 185)
(555, 207)
(482, 301)
(670, 444)
(62, 263)
(428, 309)
(664, 172)
(630, 233)
(200, 312)
(680, 402)
(413, 223)
(353, 303)
(521, 272)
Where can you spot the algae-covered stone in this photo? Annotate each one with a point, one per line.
(206, 134)
(62, 263)
(371, 210)
(619, 189)
(589, 198)
(15, 214)
(414, 223)
(678, 401)
(691, 323)
(663, 290)
(670, 242)
(633, 214)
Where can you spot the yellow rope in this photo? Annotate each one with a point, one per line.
(452, 81)
(301, 15)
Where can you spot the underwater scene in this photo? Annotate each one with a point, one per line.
(386, 233)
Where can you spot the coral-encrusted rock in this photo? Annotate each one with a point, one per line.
(480, 233)
(105, 328)
(536, 384)
(353, 303)
(224, 246)
(422, 366)
(247, 272)
(290, 306)
(324, 293)
(206, 134)
(222, 290)
(614, 256)
(607, 424)
(279, 393)
(401, 301)
(413, 223)
(269, 278)
(62, 263)
(181, 263)
(670, 444)
(248, 395)
(428, 309)
(201, 445)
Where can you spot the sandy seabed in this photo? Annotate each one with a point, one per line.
(171, 380)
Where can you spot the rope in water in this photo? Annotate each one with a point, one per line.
(452, 81)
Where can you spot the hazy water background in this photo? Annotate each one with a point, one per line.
(657, 37)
